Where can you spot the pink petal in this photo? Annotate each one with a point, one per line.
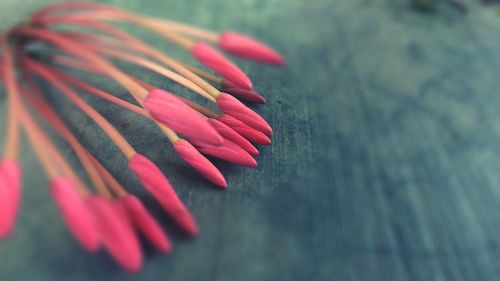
(6, 209)
(244, 94)
(196, 160)
(249, 133)
(230, 152)
(249, 48)
(230, 105)
(145, 223)
(75, 213)
(117, 236)
(158, 185)
(211, 58)
(233, 136)
(174, 113)
(10, 193)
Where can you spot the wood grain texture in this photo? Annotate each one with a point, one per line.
(384, 164)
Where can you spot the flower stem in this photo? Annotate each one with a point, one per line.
(40, 103)
(76, 64)
(102, 122)
(110, 11)
(12, 137)
(138, 45)
(171, 135)
(111, 181)
(52, 160)
(204, 74)
(71, 47)
(149, 65)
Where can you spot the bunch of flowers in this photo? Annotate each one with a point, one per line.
(103, 214)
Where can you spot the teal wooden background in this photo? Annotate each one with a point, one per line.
(385, 163)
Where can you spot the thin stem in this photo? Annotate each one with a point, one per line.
(110, 11)
(12, 137)
(147, 64)
(101, 93)
(102, 122)
(138, 45)
(40, 103)
(47, 162)
(171, 135)
(162, 24)
(50, 157)
(204, 74)
(117, 188)
(198, 107)
(76, 64)
(74, 48)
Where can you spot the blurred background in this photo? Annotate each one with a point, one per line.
(384, 164)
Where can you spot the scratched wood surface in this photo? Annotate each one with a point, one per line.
(385, 163)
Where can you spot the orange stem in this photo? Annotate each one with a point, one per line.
(12, 136)
(138, 45)
(147, 64)
(37, 100)
(102, 122)
(52, 160)
(74, 48)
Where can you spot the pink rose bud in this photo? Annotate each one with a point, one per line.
(157, 184)
(195, 159)
(230, 152)
(174, 113)
(249, 48)
(75, 213)
(244, 94)
(230, 134)
(249, 133)
(10, 193)
(211, 58)
(117, 236)
(231, 106)
(145, 223)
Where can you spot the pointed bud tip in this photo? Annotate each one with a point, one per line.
(230, 152)
(231, 106)
(158, 185)
(117, 235)
(211, 58)
(187, 222)
(200, 163)
(144, 222)
(171, 111)
(247, 132)
(230, 134)
(245, 47)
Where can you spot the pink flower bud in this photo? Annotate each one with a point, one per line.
(10, 193)
(249, 48)
(158, 185)
(249, 133)
(196, 160)
(211, 58)
(244, 94)
(230, 134)
(75, 213)
(145, 223)
(230, 105)
(174, 113)
(230, 152)
(117, 236)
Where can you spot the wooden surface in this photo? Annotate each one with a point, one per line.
(385, 163)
